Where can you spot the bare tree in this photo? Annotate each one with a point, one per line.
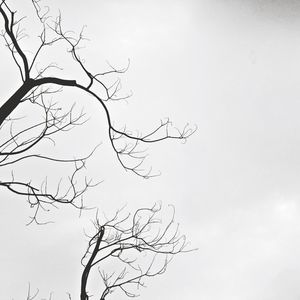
(38, 83)
(139, 246)
(128, 249)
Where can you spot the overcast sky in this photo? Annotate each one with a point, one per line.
(229, 66)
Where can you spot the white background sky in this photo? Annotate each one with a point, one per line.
(231, 67)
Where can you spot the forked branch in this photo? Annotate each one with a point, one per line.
(139, 246)
(35, 86)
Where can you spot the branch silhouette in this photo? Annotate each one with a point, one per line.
(139, 246)
(36, 85)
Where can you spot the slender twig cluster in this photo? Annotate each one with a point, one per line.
(139, 246)
(20, 145)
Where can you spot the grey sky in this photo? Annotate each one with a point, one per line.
(231, 67)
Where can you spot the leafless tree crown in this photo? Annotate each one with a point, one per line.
(138, 246)
(37, 85)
